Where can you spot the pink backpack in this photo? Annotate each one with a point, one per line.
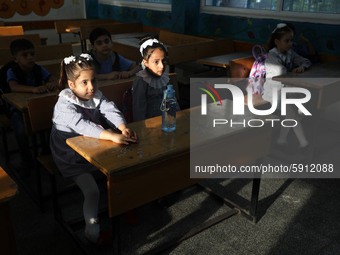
(257, 74)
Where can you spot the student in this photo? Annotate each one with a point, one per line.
(148, 87)
(303, 46)
(281, 59)
(24, 75)
(83, 110)
(109, 64)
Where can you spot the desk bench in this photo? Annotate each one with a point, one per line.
(8, 190)
(162, 165)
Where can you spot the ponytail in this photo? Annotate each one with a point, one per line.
(62, 77)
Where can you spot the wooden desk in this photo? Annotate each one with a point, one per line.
(6, 41)
(19, 99)
(222, 61)
(160, 161)
(11, 30)
(323, 81)
(181, 48)
(323, 78)
(62, 26)
(8, 190)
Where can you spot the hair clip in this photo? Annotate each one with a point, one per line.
(69, 59)
(88, 57)
(280, 25)
(147, 43)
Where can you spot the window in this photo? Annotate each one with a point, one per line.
(320, 11)
(324, 6)
(159, 5)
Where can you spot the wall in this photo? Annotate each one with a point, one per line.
(70, 10)
(185, 18)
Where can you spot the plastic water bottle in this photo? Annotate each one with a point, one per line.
(168, 108)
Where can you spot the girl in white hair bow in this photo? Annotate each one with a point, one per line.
(282, 59)
(148, 87)
(83, 110)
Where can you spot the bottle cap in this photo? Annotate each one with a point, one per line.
(170, 91)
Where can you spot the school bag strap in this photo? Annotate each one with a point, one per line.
(127, 105)
(258, 71)
(255, 51)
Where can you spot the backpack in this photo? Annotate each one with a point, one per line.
(257, 74)
(127, 105)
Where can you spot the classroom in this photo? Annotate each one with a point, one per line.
(170, 127)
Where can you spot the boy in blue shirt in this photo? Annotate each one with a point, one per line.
(109, 65)
(24, 75)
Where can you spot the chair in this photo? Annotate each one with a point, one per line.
(174, 82)
(44, 54)
(5, 126)
(240, 69)
(5, 41)
(11, 30)
(115, 92)
(40, 111)
(8, 190)
(64, 26)
(112, 28)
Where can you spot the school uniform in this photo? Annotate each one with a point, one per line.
(35, 78)
(147, 94)
(115, 63)
(278, 63)
(73, 117)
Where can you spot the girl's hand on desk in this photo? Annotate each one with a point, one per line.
(299, 69)
(112, 76)
(39, 90)
(129, 133)
(113, 136)
(122, 139)
(124, 75)
(51, 86)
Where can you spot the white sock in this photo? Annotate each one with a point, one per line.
(304, 144)
(92, 231)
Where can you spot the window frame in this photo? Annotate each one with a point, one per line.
(278, 14)
(137, 4)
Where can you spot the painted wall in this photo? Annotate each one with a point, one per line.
(186, 18)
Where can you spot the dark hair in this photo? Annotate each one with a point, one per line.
(147, 52)
(277, 34)
(97, 32)
(292, 27)
(71, 71)
(20, 45)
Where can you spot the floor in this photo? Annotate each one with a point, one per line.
(295, 216)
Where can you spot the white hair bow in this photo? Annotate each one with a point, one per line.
(280, 25)
(147, 43)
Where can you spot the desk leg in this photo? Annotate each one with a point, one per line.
(316, 119)
(7, 241)
(116, 235)
(255, 198)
